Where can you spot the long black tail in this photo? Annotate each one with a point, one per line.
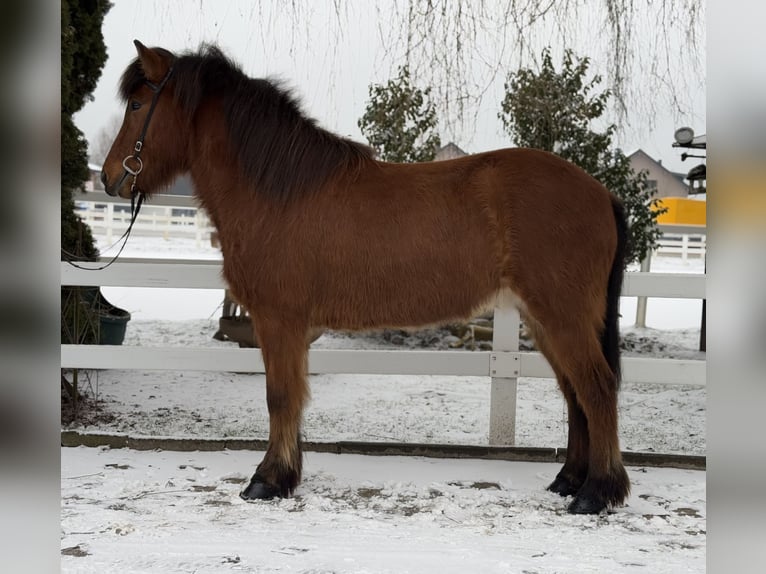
(610, 337)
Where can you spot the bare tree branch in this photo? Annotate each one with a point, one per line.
(446, 39)
(99, 147)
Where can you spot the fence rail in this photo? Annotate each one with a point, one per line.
(503, 365)
(169, 216)
(206, 274)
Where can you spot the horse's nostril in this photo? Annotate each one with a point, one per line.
(103, 177)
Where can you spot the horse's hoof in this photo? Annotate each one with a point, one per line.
(563, 486)
(259, 490)
(585, 505)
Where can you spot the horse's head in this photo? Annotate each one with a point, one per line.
(147, 153)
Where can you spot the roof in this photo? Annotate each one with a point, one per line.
(700, 141)
(659, 165)
(452, 146)
(449, 151)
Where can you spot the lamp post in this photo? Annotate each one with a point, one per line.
(685, 139)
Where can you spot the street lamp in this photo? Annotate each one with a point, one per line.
(684, 137)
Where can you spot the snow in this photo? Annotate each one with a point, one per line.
(126, 511)
(131, 511)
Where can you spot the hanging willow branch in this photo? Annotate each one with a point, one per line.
(651, 53)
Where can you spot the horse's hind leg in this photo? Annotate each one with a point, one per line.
(575, 470)
(572, 476)
(284, 351)
(593, 386)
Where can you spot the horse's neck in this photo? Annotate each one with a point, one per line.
(225, 201)
(233, 207)
(214, 170)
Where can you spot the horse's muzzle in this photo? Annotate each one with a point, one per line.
(113, 190)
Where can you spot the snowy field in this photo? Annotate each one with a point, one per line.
(128, 511)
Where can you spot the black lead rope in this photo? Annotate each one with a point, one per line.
(135, 207)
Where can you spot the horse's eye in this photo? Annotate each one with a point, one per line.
(134, 105)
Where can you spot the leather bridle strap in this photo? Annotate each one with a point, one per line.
(135, 207)
(139, 145)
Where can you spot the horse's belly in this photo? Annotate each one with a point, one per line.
(406, 295)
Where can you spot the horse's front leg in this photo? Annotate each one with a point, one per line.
(284, 349)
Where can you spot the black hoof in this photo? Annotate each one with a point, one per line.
(259, 490)
(599, 493)
(564, 486)
(586, 505)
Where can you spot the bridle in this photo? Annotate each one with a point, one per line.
(135, 157)
(139, 145)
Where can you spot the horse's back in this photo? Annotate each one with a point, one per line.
(525, 199)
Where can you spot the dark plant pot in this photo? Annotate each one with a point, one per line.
(113, 323)
(112, 320)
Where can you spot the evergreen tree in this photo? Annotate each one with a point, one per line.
(554, 110)
(400, 121)
(83, 55)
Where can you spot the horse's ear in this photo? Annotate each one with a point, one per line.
(152, 63)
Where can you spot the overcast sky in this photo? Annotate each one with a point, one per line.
(330, 61)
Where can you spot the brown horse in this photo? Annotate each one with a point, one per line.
(316, 233)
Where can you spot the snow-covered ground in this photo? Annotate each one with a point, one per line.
(128, 511)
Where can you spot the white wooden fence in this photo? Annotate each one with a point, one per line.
(504, 364)
(684, 241)
(163, 216)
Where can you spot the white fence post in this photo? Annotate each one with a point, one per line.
(166, 227)
(502, 401)
(198, 224)
(109, 222)
(646, 265)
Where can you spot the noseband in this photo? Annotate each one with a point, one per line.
(139, 145)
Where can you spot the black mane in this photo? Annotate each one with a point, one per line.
(280, 150)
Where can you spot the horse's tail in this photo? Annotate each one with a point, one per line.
(610, 337)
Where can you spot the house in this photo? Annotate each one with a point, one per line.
(94, 179)
(449, 151)
(671, 187)
(667, 183)
(181, 186)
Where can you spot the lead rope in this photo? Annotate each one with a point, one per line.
(135, 207)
